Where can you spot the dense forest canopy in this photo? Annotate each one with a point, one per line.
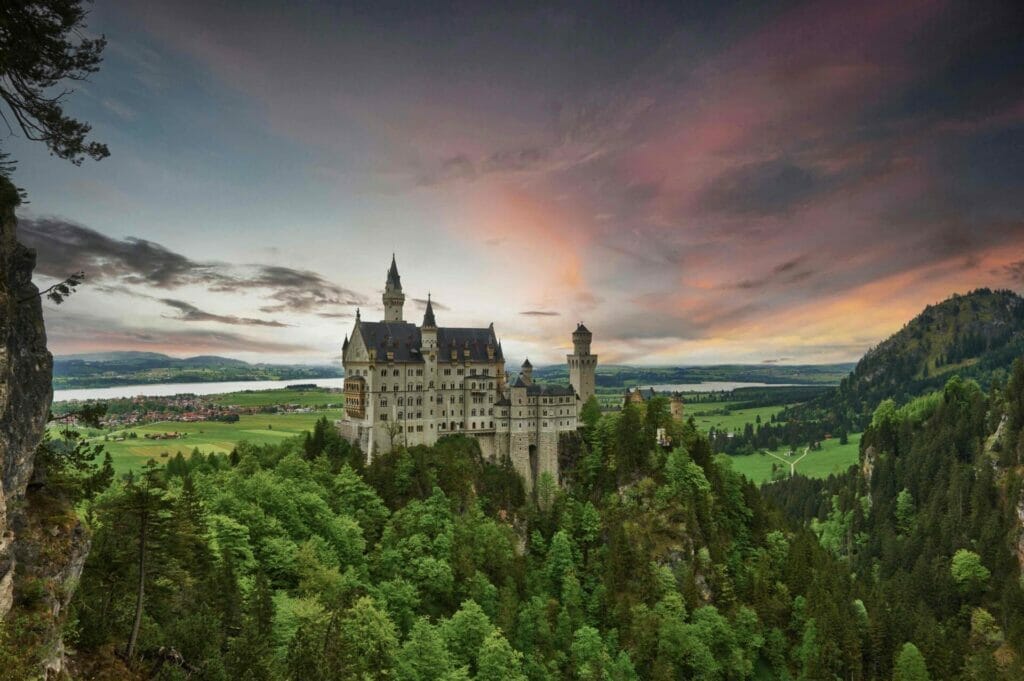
(298, 561)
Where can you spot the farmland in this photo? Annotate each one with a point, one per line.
(206, 436)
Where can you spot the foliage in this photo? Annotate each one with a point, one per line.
(44, 43)
(431, 562)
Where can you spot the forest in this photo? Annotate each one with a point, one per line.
(298, 561)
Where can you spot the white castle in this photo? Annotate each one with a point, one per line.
(409, 385)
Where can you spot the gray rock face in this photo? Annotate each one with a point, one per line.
(40, 537)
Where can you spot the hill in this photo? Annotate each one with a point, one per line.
(975, 336)
(623, 376)
(98, 370)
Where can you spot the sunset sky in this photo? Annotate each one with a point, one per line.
(698, 182)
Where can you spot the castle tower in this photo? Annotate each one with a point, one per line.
(526, 371)
(393, 297)
(582, 364)
(428, 330)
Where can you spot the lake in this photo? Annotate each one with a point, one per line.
(166, 389)
(714, 386)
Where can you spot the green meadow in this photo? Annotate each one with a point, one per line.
(832, 458)
(207, 436)
(261, 398)
(710, 415)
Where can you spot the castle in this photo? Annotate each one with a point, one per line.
(410, 385)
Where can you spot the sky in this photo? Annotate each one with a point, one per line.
(698, 183)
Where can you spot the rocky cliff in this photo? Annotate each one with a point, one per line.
(42, 544)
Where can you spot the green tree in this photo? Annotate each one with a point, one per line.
(499, 661)
(45, 42)
(147, 508)
(909, 665)
(423, 656)
(464, 633)
(590, 413)
(368, 642)
(968, 572)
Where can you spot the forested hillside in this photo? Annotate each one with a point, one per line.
(930, 524)
(976, 335)
(97, 370)
(294, 561)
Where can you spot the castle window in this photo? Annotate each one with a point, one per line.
(447, 372)
(383, 372)
(383, 416)
(419, 429)
(396, 372)
(492, 424)
(458, 372)
(383, 401)
(401, 415)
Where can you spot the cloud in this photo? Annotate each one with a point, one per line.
(69, 332)
(764, 188)
(191, 313)
(1015, 271)
(63, 247)
(789, 272)
(540, 313)
(422, 302)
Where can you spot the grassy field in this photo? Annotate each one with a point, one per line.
(259, 398)
(208, 436)
(705, 416)
(833, 458)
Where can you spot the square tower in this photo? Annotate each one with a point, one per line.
(582, 364)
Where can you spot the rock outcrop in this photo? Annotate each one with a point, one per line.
(42, 543)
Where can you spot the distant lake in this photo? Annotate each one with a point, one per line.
(167, 389)
(714, 386)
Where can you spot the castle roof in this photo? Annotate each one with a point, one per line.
(526, 364)
(405, 341)
(581, 329)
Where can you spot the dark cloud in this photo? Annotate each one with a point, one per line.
(191, 313)
(63, 247)
(767, 188)
(69, 332)
(788, 272)
(1015, 271)
(422, 302)
(540, 313)
(461, 167)
(335, 315)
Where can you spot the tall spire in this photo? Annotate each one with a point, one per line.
(393, 297)
(428, 315)
(394, 281)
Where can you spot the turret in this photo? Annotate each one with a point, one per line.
(428, 331)
(581, 338)
(394, 299)
(582, 364)
(526, 371)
